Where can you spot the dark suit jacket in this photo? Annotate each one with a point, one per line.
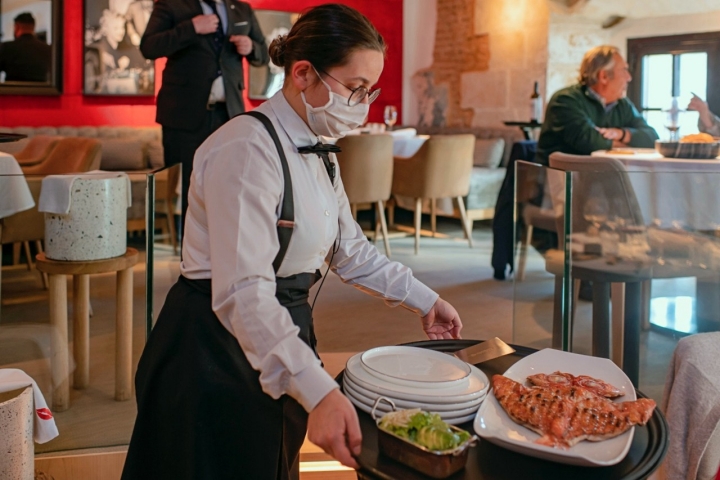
(192, 63)
(25, 59)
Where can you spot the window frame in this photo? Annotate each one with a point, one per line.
(709, 42)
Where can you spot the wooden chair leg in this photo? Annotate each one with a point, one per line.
(464, 220)
(44, 276)
(617, 302)
(81, 330)
(17, 246)
(418, 222)
(383, 226)
(523, 252)
(123, 335)
(433, 216)
(59, 357)
(28, 255)
(391, 212)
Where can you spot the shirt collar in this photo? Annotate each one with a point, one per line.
(607, 106)
(295, 127)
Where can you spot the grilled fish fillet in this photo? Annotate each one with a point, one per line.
(564, 414)
(595, 385)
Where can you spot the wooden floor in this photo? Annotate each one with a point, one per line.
(346, 320)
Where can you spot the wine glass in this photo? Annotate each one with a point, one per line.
(390, 116)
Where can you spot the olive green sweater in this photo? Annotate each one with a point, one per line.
(571, 117)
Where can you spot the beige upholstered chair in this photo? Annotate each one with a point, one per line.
(37, 150)
(70, 155)
(366, 167)
(440, 169)
(25, 227)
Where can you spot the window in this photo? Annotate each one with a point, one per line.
(674, 66)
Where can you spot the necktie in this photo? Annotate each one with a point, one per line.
(219, 35)
(323, 150)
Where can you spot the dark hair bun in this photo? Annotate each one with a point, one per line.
(277, 50)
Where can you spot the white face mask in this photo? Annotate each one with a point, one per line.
(336, 117)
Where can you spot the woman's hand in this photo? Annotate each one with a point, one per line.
(442, 321)
(333, 426)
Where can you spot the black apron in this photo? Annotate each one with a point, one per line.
(202, 414)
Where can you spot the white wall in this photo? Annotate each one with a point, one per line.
(419, 21)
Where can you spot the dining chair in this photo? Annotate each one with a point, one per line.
(36, 150)
(70, 155)
(441, 168)
(366, 167)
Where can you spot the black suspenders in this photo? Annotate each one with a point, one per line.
(286, 223)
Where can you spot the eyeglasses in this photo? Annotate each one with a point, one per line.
(358, 94)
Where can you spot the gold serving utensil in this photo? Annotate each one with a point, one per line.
(482, 352)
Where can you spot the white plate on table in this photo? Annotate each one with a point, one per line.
(350, 391)
(401, 403)
(494, 425)
(415, 367)
(476, 387)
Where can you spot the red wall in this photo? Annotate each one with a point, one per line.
(72, 108)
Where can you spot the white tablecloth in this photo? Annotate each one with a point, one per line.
(686, 191)
(14, 192)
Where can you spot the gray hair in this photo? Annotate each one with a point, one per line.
(595, 61)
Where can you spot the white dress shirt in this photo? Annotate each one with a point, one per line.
(230, 236)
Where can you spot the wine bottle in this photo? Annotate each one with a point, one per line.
(536, 104)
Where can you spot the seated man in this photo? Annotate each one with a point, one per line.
(26, 58)
(594, 114)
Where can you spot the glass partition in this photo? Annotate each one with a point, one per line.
(636, 264)
(73, 321)
(540, 313)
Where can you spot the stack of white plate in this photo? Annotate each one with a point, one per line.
(415, 378)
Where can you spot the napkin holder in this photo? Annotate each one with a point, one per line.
(95, 228)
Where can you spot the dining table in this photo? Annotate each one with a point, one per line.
(672, 191)
(16, 196)
(488, 461)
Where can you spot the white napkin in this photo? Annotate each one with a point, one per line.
(56, 192)
(44, 424)
(403, 132)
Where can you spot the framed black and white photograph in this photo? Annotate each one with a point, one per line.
(265, 81)
(113, 63)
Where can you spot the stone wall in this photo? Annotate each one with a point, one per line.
(486, 56)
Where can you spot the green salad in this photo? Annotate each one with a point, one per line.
(423, 428)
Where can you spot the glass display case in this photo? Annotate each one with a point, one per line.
(617, 259)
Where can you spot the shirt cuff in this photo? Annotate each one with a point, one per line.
(420, 298)
(310, 386)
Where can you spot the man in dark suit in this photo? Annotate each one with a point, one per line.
(204, 42)
(27, 58)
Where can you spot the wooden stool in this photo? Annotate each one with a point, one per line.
(81, 272)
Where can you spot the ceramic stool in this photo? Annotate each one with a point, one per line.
(81, 272)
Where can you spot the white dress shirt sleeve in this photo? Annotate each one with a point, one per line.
(241, 185)
(357, 262)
